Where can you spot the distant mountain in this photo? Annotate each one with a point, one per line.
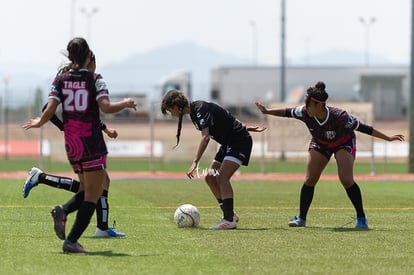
(339, 58)
(142, 72)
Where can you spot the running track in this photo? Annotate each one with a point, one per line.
(269, 176)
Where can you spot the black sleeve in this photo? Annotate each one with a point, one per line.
(366, 129)
(55, 120)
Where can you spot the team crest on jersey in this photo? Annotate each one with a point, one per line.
(330, 134)
(350, 122)
(201, 120)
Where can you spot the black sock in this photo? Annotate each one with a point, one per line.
(83, 218)
(102, 211)
(306, 197)
(60, 182)
(74, 203)
(354, 194)
(228, 212)
(220, 202)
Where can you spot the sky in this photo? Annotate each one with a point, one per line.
(33, 33)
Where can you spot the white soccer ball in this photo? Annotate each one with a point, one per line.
(187, 215)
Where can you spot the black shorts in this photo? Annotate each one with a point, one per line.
(327, 152)
(239, 149)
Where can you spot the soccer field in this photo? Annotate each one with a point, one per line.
(262, 244)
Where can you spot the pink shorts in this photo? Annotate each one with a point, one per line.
(90, 165)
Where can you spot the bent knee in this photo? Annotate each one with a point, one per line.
(209, 178)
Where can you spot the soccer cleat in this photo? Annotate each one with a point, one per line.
(235, 217)
(32, 180)
(225, 224)
(297, 222)
(69, 247)
(59, 217)
(362, 223)
(110, 232)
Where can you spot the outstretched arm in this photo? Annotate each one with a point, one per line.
(46, 116)
(274, 112)
(376, 133)
(205, 138)
(109, 107)
(55, 120)
(255, 128)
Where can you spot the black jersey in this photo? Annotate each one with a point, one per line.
(222, 126)
(338, 127)
(78, 92)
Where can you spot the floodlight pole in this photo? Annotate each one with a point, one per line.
(72, 19)
(6, 80)
(89, 14)
(282, 62)
(254, 41)
(411, 107)
(283, 53)
(367, 25)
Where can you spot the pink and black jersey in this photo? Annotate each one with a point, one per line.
(79, 93)
(337, 129)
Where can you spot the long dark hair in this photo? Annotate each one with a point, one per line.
(171, 99)
(77, 51)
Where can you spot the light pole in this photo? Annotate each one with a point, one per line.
(6, 80)
(89, 14)
(367, 25)
(254, 41)
(72, 19)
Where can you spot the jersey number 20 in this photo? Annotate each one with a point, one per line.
(76, 100)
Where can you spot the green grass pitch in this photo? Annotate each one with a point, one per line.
(262, 244)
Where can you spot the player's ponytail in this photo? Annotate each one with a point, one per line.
(180, 124)
(77, 52)
(171, 99)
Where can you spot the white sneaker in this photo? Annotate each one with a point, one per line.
(297, 222)
(32, 180)
(235, 217)
(225, 224)
(110, 232)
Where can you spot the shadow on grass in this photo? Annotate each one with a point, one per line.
(338, 229)
(343, 229)
(108, 253)
(235, 229)
(103, 238)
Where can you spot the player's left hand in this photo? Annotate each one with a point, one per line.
(397, 137)
(112, 133)
(32, 123)
(190, 171)
(256, 129)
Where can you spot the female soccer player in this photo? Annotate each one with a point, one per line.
(236, 144)
(37, 176)
(332, 131)
(82, 94)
